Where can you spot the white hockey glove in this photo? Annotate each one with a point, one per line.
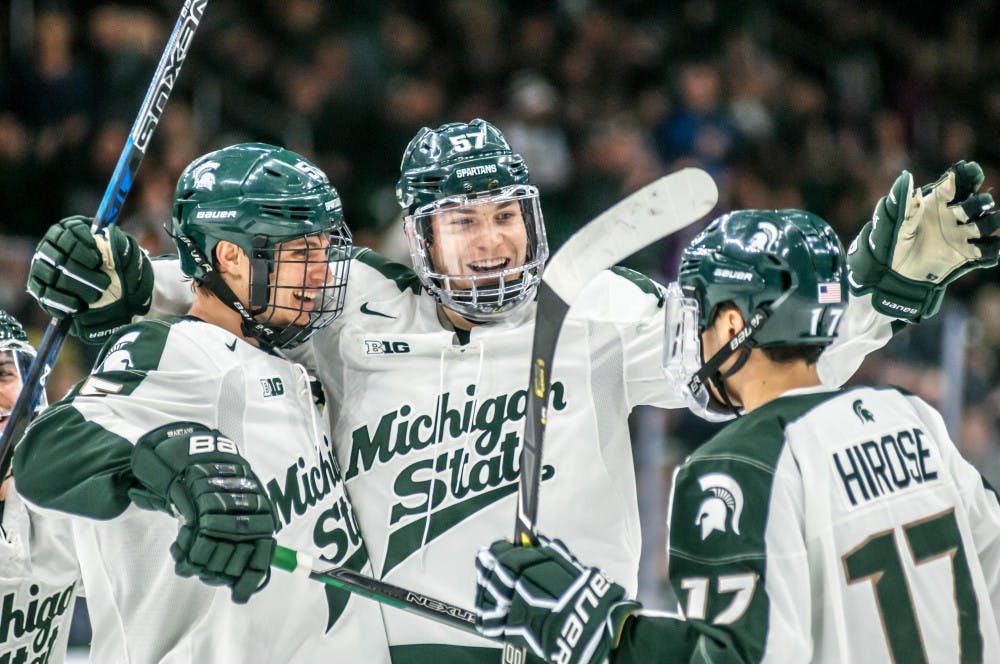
(919, 240)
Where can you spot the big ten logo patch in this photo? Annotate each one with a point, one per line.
(272, 387)
(373, 347)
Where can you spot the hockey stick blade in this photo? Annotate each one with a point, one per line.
(117, 190)
(401, 598)
(655, 211)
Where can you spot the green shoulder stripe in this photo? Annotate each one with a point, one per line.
(718, 524)
(66, 463)
(125, 360)
(642, 282)
(404, 277)
(737, 466)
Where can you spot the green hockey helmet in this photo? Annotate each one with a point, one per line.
(785, 270)
(457, 159)
(261, 198)
(472, 219)
(16, 355)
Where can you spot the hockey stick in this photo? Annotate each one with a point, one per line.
(655, 211)
(345, 579)
(107, 214)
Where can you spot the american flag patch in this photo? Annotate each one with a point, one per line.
(828, 293)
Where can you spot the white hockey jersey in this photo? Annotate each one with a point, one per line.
(428, 429)
(39, 583)
(830, 527)
(427, 425)
(158, 372)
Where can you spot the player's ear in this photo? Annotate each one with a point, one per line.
(728, 321)
(228, 256)
(733, 321)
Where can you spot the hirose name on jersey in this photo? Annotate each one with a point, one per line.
(427, 425)
(855, 501)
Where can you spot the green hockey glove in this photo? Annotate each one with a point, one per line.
(100, 280)
(920, 240)
(542, 598)
(227, 520)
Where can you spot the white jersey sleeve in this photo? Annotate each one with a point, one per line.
(172, 291)
(862, 331)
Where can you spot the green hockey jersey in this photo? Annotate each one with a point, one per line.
(833, 527)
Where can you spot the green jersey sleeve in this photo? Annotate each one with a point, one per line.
(75, 456)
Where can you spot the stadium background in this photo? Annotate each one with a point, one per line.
(810, 103)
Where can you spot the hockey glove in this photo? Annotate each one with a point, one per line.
(100, 280)
(920, 240)
(542, 598)
(227, 520)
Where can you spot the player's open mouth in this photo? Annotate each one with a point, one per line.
(489, 265)
(306, 299)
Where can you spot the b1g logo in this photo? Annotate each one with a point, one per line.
(273, 387)
(386, 347)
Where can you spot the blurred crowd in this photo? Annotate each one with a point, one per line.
(817, 104)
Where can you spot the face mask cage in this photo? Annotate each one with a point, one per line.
(297, 286)
(682, 356)
(15, 360)
(481, 255)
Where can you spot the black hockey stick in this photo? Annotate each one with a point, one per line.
(107, 214)
(401, 598)
(655, 211)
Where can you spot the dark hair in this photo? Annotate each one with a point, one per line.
(808, 352)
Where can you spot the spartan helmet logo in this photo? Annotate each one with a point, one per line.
(726, 498)
(204, 178)
(763, 239)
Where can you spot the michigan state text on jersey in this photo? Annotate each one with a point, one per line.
(200, 418)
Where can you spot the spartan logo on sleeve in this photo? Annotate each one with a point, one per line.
(726, 500)
(478, 465)
(119, 358)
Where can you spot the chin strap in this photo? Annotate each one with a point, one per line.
(213, 281)
(710, 373)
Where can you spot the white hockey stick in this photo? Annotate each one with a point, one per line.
(655, 211)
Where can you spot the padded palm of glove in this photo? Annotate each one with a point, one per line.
(544, 599)
(100, 280)
(228, 521)
(921, 240)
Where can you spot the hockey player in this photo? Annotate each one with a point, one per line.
(199, 420)
(427, 367)
(823, 525)
(39, 575)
